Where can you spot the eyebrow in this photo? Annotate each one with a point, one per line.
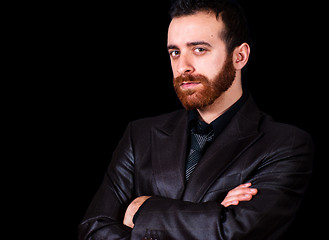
(172, 47)
(198, 43)
(190, 44)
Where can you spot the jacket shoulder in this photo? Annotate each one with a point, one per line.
(282, 130)
(285, 141)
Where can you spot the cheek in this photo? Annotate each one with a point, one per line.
(210, 67)
(174, 70)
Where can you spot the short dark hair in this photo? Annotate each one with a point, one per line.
(236, 29)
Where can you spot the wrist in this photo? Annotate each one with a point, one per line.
(139, 210)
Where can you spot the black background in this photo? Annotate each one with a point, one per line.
(96, 67)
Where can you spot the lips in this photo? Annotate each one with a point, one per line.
(189, 85)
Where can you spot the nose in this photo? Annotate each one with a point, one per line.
(185, 66)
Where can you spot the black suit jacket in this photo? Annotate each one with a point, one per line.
(150, 161)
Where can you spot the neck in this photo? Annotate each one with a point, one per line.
(221, 104)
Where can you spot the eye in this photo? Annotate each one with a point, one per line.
(200, 50)
(174, 53)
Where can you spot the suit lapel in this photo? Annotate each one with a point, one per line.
(169, 143)
(240, 134)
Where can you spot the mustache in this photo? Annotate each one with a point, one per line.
(191, 78)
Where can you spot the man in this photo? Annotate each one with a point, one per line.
(220, 168)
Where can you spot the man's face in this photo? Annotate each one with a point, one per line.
(201, 68)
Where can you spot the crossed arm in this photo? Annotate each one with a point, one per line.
(242, 192)
(280, 177)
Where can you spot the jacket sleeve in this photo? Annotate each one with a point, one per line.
(281, 178)
(104, 217)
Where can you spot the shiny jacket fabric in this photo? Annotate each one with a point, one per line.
(150, 161)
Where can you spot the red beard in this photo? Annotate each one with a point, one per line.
(209, 91)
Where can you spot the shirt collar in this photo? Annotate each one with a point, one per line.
(221, 122)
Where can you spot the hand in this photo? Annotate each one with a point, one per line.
(238, 194)
(132, 209)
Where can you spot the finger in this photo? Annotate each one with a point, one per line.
(245, 195)
(241, 191)
(243, 185)
(241, 197)
(226, 204)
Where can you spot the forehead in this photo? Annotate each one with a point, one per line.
(201, 26)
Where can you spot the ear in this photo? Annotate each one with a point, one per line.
(241, 56)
